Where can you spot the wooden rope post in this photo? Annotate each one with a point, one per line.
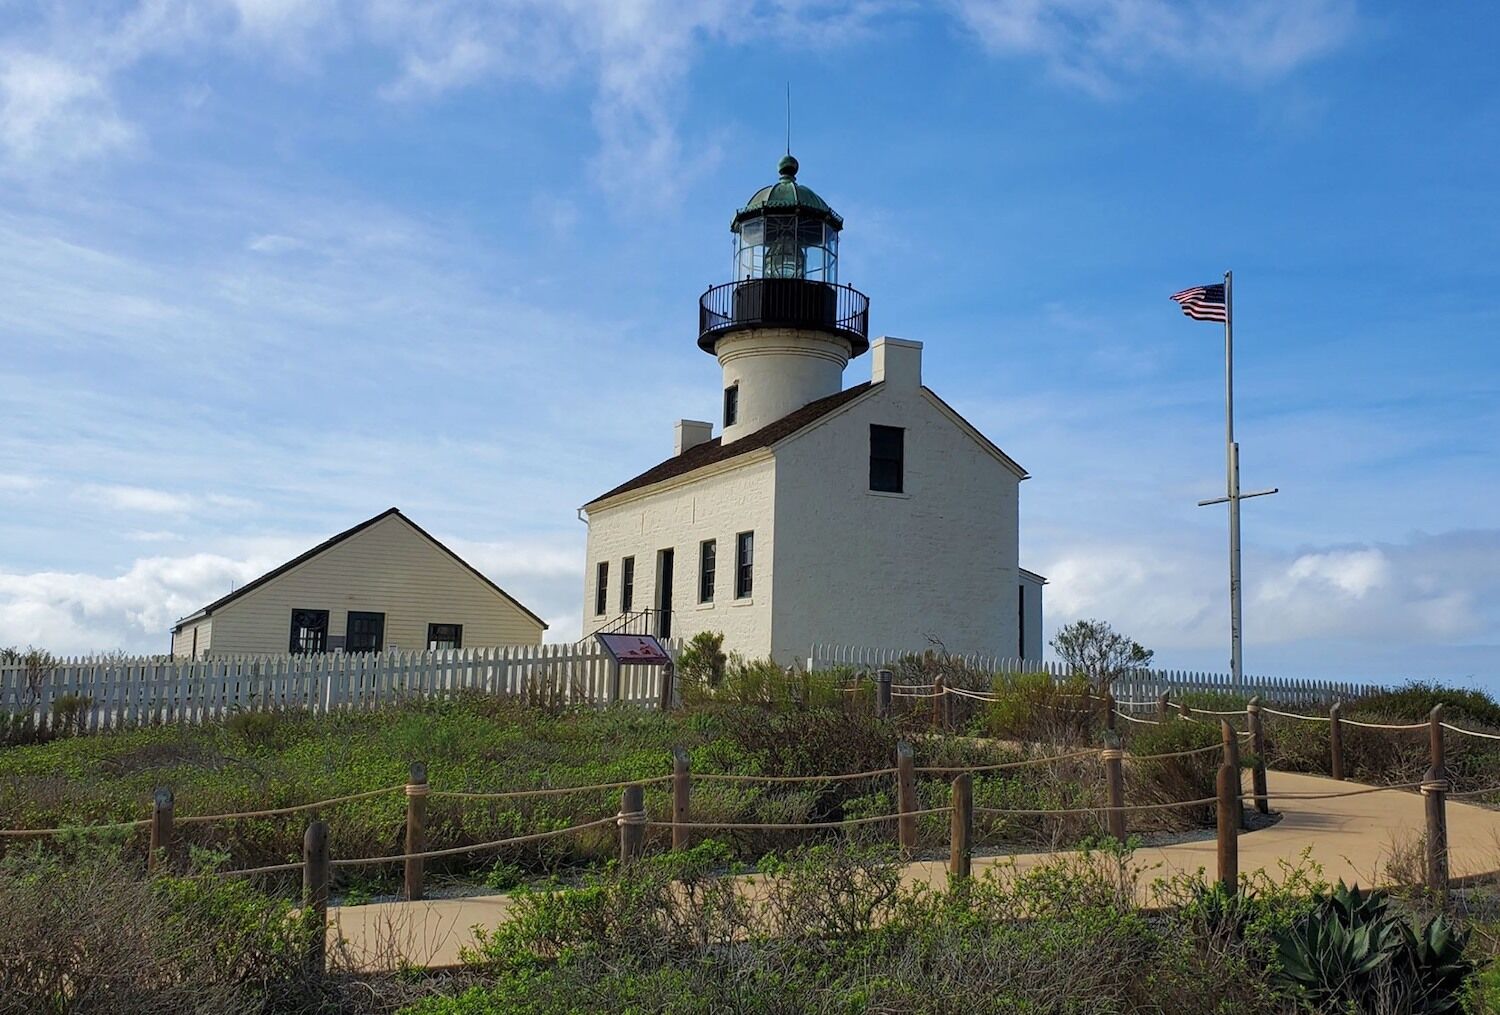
(883, 694)
(1434, 793)
(1109, 712)
(961, 827)
(1258, 747)
(939, 704)
(316, 873)
(416, 827)
(161, 827)
(632, 822)
(682, 787)
(1232, 759)
(1163, 707)
(1229, 820)
(906, 796)
(1335, 743)
(1114, 784)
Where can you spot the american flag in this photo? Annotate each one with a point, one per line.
(1204, 302)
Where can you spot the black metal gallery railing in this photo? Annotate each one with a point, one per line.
(784, 303)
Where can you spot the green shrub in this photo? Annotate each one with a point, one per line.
(256, 729)
(700, 664)
(1413, 702)
(69, 713)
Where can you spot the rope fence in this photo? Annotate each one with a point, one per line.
(632, 821)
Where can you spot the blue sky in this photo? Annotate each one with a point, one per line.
(269, 268)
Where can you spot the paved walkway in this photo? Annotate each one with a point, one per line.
(1350, 837)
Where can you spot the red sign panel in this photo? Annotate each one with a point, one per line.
(634, 649)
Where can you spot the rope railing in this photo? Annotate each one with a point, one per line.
(732, 777)
(514, 840)
(547, 791)
(271, 812)
(791, 826)
(998, 766)
(1345, 793)
(1072, 811)
(1174, 754)
(38, 833)
(1470, 733)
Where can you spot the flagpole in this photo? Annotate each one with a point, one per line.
(1232, 484)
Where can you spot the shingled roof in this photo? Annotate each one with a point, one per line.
(713, 451)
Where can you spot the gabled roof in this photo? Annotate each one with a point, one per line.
(713, 451)
(329, 544)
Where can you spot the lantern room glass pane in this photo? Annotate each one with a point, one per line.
(786, 246)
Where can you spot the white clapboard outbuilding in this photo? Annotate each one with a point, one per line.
(869, 515)
(383, 584)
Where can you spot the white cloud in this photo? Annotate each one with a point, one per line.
(1433, 594)
(634, 54)
(149, 501)
(54, 111)
(273, 243)
(1094, 44)
(75, 613)
(17, 483)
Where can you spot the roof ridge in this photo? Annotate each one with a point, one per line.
(714, 450)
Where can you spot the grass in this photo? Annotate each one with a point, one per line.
(260, 761)
(754, 723)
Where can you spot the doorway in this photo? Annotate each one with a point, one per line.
(664, 593)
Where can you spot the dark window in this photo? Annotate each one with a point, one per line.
(664, 561)
(195, 642)
(887, 453)
(708, 552)
(731, 404)
(744, 564)
(601, 587)
(1022, 625)
(366, 632)
(445, 636)
(309, 632)
(627, 584)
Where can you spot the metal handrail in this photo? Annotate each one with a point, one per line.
(784, 303)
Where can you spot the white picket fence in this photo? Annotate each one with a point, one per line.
(111, 693)
(1142, 685)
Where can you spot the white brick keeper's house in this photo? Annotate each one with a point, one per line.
(870, 515)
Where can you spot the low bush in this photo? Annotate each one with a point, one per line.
(82, 933)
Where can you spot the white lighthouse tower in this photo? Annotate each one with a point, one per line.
(784, 329)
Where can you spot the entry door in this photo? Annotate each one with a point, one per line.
(365, 633)
(664, 593)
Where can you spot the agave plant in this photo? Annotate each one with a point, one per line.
(1437, 967)
(1350, 949)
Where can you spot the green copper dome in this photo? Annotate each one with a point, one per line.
(786, 196)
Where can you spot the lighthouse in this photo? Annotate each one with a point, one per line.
(869, 514)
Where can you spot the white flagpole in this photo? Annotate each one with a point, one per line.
(1232, 495)
(1232, 468)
